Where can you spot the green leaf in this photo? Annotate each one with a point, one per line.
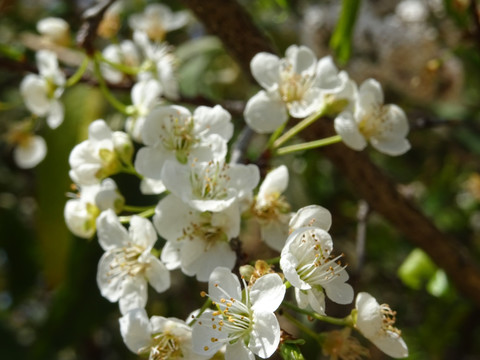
(290, 351)
(416, 269)
(341, 41)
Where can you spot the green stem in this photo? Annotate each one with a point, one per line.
(79, 73)
(300, 325)
(309, 145)
(346, 321)
(131, 208)
(275, 135)
(147, 213)
(294, 130)
(121, 67)
(105, 90)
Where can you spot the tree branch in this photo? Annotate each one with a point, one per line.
(230, 22)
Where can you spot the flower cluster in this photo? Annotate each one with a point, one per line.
(206, 204)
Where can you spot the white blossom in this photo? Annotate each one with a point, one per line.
(41, 92)
(159, 338)
(244, 321)
(308, 264)
(125, 53)
(55, 29)
(158, 63)
(101, 155)
(297, 85)
(174, 133)
(81, 213)
(29, 150)
(157, 20)
(128, 264)
(384, 126)
(210, 186)
(376, 322)
(271, 209)
(145, 95)
(198, 242)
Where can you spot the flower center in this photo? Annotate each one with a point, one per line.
(125, 262)
(316, 266)
(209, 233)
(271, 208)
(293, 86)
(211, 182)
(178, 136)
(373, 122)
(165, 346)
(388, 319)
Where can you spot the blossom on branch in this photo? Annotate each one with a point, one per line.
(244, 320)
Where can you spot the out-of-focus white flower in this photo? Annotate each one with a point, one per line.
(110, 23)
(81, 213)
(308, 264)
(198, 242)
(126, 53)
(128, 264)
(244, 322)
(297, 85)
(29, 150)
(157, 338)
(157, 20)
(376, 322)
(158, 63)
(41, 92)
(384, 126)
(173, 133)
(55, 30)
(271, 209)
(145, 95)
(210, 186)
(101, 155)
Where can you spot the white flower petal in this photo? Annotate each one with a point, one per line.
(214, 120)
(202, 334)
(157, 274)
(312, 215)
(30, 153)
(228, 285)
(149, 162)
(135, 329)
(265, 112)
(238, 351)
(392, 147)
(265, 335)
(55, 115)
(265, 69)
(134, 295)
(346, 126)
(171, 255)
(267, 293)
(370, 94)
(302, 59)
(339, 291)
(142, 232)
(34, 92)
(275, 182)
(111, 233)
(392, 344)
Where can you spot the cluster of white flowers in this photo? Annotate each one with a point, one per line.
(203, 200)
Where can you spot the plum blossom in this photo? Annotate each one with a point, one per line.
(174, 133)
(55, 30)
(29, 149)
(41, 92)
(308, 264)
(158, 63)
(157, 337)
(384, 126)
(125, 53)
(376, 322)
(81, 212)
(271, 209)
(128, 264)
(145, 95)
(297, 85)
(198, 242)
(210, 186)
(157, 20)
(101, 155)
(244, 320)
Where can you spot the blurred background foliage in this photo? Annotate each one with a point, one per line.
(428, 62)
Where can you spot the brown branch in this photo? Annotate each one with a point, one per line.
(230, 22)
